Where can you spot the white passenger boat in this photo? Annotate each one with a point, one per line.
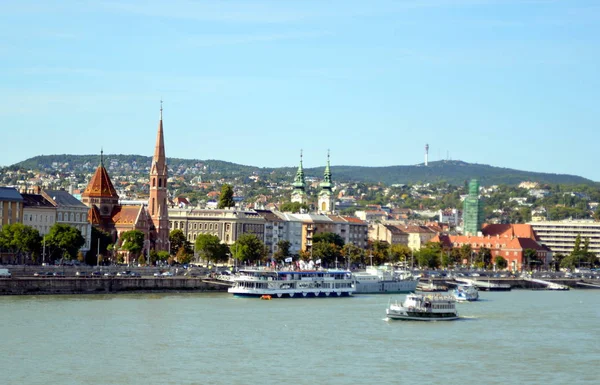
(424, 307)
(303, 283)
(465, 292)
(379, 280)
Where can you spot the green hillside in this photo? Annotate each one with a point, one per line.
(453, 172)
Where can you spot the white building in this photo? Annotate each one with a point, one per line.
(560, 236)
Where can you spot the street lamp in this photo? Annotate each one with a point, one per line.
(147, 248)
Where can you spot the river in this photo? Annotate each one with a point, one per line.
(517, 337)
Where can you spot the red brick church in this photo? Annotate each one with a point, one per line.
(153, 219)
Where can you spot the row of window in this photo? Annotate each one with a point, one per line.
(72, 217)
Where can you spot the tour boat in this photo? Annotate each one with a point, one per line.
(379, 280)
(466, 292)
(424, 307)
(292, 284)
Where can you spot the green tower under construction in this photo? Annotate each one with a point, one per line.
(472, 210)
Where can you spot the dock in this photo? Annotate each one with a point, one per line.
(485, 285)
(548, 285)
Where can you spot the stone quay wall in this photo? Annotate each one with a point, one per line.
(77, 285)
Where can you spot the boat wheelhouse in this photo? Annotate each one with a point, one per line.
(376, 280)
(466, 292)
(424, 307)
(303, 283)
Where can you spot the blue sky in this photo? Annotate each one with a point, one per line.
(502, 82)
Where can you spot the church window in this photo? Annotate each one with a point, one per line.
(195, 226)
(159, 182)
(152, 208)
(153, 182)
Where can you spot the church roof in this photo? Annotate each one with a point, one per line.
(126, 215)
(100, 185)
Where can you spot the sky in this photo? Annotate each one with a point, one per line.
(509, 83)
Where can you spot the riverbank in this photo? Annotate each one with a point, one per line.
(78, 285)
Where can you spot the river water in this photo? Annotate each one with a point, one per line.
(517, 337)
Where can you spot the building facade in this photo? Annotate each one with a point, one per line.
(560, 236)
(11, 206)
(72, 212)
(472, 210)
(227, 224)
(38, 213)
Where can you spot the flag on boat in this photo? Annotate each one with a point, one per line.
(288, 259)
(318, 261)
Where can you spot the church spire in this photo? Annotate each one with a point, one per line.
(326, 184)
(299, 179)
(101, 157)
(157, 202)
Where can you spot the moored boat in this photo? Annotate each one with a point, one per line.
(465, 292)
(379, 280)
(424, 307)
(293, 284)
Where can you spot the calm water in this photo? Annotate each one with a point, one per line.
(519, 337)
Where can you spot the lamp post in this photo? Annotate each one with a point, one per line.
(147, 248)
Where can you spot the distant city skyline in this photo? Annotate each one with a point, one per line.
(507, 83)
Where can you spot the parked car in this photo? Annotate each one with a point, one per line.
(134, 274)
(123, 274)
(5, 273)
(59, 274)
(97, 274)
(167, 274)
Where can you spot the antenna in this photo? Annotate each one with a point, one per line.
(426, 154)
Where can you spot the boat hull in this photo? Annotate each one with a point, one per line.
(386, 287)
(295, 294)
(416, 316)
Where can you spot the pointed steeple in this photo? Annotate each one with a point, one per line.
(299, 182)
(327, 175)
(159, 161)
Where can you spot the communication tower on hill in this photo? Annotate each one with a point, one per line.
(426, 153)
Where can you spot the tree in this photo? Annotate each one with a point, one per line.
(91, 257)
(428, 257)
(500, 262)
(283, 249)
(20, 239)
(248, 248)
(210, 248)
(380, 252)
(183, 256)
(293, 207)
(530, 257)
(133, 242)
(353, 253)
(63, 241)
(178, 240)
(399, 253)
(466, 253)
(329, 238)
(484, 257)
(226, 197)
(327, 252)
(163, 256)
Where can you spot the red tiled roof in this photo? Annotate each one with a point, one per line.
(510, 230)
(100, 185)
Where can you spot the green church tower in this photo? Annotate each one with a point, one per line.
(326, 204)
(299, 185)
(472, 210)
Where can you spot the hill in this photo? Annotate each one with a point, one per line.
(454, 172)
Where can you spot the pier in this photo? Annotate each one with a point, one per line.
(548, 285)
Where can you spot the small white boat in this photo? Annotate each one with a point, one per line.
(424, 307)
(466, 292)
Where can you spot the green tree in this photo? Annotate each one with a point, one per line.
(380, 252)
(63, 241)
(91, 257)
(484, 257)
(133, 242)
(466, 253)
(248, 248)
(327, 252)
(178, 240)
(283, 249)
(294, 207)
(400, 253)
(210, 248)
(329, 238)
(226, 197)
(530, 258)
(20, 239)
(428, 257)
(162, 256)
(353, 253)
(500, 262)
